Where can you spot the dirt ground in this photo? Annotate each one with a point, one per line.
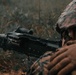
(14, 73)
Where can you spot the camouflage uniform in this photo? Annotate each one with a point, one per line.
(43, 60)
(65, 21)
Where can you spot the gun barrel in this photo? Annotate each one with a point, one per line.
(2, 36)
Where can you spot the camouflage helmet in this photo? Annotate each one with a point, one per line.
(67, 18)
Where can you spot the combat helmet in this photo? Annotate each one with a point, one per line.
(67, 18)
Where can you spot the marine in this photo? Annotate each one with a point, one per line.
(63, 61)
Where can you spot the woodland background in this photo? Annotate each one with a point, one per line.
(39, 15)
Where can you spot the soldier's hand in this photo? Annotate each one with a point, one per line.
(63, 62)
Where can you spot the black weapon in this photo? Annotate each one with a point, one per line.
(23, 41)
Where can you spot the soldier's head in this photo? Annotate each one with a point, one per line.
(66, 24)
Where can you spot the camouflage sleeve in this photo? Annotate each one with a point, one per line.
(39, 66)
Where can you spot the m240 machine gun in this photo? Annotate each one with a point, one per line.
(23, 41)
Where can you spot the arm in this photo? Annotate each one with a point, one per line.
(62, 62)
(39, 65)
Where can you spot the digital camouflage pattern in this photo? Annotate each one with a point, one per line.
(67, 18)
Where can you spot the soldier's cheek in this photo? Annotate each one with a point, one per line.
(63, 41)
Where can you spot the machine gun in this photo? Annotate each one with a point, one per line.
(23, 41)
